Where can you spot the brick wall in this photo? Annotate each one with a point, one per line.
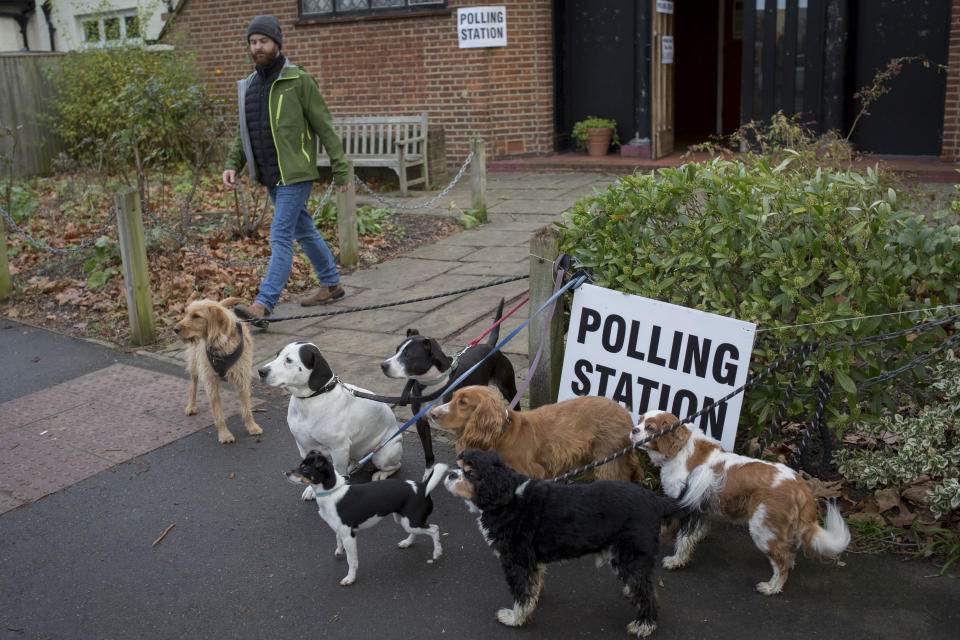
(400, 65)
(950, 151)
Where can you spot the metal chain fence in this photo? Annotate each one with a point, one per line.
(423, 205)
(86, 244)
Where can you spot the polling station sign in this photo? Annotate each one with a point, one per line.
(646, 354)
(482, 27)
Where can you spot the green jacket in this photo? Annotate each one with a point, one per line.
(298, 116)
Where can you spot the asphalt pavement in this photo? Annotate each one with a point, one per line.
(122, 518)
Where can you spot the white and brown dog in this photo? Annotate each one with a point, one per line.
(219, 347)
(772, 499)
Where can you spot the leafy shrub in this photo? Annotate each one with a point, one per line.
(368, 218)
(468, 218)
(126, 106)
(925, 444)
(101, 265)
(786, 249)
(20, 199)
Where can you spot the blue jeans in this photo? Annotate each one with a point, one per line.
(292, 221)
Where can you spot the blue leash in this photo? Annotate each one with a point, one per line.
(573, 284)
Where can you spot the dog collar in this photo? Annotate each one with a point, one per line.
(327, 387)
(446, 374)
(443, 376)
(506, 422)
(324, 494)
(222, 363)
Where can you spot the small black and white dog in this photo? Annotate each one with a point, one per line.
(347, 508)
(420, 360)
(532, 522)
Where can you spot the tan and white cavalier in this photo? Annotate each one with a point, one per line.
(770, 498)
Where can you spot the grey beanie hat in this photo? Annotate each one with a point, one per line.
(268, 26)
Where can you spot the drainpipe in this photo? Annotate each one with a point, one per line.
(47, 7)
(23, 19)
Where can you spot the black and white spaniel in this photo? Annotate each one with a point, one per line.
(532, 522)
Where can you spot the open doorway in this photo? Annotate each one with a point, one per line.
(707, 58)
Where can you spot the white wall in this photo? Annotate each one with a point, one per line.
(66, 18)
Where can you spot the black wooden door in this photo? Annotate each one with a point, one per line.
(595, 64)
(909, 119)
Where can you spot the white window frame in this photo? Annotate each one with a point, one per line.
(100, 19)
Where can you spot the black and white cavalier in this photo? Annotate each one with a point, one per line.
(325, 414)
(532, 522)
(348, 508)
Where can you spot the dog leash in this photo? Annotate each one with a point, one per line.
(562, 259)
(572, 284)
(419, 385)
(496, 324)
(456, 358)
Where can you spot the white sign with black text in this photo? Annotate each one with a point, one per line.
(666, 49)
(646, 354)
(665, 6)
(482, 27)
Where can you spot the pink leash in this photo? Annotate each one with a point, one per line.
(496, 324)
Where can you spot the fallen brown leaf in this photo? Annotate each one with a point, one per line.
(826, 490)
(917, 492)
(868, 516)
(886, 499)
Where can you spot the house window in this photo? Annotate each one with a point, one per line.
(109, 29)
(335, 8)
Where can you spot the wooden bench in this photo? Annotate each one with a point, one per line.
(396, 142)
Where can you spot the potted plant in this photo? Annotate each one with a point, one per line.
(595, 135)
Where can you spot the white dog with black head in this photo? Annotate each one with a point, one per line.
(325, 414)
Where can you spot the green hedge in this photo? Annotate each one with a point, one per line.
(787, 250)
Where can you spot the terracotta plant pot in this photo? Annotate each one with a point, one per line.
(598, 144)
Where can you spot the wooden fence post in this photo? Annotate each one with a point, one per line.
(545, 381)
(478, 178)
(6, 283)
(347, 222)
(136, 276)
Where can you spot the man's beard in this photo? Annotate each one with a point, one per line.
(266, 60)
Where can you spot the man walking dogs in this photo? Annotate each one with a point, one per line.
(281, 115)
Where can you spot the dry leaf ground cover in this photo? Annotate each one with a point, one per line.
(81, 292)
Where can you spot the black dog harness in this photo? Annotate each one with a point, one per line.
(222, 363)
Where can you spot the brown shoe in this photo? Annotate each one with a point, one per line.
(322, 295)
(254, 312)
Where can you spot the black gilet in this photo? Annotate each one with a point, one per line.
(258, 123)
